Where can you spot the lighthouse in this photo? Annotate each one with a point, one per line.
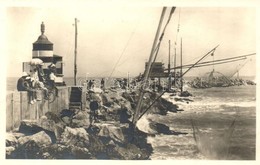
(43, 49)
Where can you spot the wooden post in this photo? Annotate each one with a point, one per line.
(169, 68)
(75, 53)
(175, 67)
(9, 112)
(181, 69)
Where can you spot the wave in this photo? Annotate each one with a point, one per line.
(230, 104)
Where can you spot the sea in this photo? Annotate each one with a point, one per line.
(211, 122)
(212, 111)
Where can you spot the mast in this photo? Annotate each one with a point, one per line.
(75, 53)
(138, 107)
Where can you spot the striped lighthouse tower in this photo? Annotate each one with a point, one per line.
(43, 48)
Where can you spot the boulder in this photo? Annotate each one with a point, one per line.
(66, 115)
(185, 94)
(57, 151)
(124, 115)
(166, 105)
(54, 117)
(11, 140)
(23, 140)
(159, 128)
(75, 137)
(106, 100)
(128, 96)
(41, 139)
(29, 127)
(9, 150)
(81, 119)
(46, 123)
(80, 153)
(109, 130)
(143, 125)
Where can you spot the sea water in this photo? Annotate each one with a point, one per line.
(212, 111)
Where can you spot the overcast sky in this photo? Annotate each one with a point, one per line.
(106, 33)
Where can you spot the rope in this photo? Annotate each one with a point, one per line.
(210, 52)
(122, 53)
(178, 28)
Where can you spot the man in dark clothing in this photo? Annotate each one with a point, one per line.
(24, 84)
(90, 83)
(102, 83)
(52, 77)
(21, 83)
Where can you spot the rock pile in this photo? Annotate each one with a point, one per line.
(72, 134)
(200, 83)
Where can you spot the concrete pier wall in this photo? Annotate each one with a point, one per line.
(18, 107)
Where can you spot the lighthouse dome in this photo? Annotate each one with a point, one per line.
(42, 39)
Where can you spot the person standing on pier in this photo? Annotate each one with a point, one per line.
(52, 77)
(41, 74)
(102, 83)
(90, 83)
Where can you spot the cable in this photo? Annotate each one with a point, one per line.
(121, 55)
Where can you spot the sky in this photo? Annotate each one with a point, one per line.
(115, 40)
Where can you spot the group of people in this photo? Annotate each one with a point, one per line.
(38, 80)
(91, 84)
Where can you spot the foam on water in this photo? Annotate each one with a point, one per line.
(213, 110)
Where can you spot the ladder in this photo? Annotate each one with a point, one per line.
(75, 98)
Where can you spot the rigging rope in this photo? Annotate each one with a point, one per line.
(178, 28)
(124, 50)
(122, 53)
(210, 52)
(239, 67)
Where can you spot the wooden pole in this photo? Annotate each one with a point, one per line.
(75, 53)
(128, 81)
(169, 68)
(175, 67)
(169, 59)
(181, 69)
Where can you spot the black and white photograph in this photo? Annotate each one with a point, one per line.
(130, 81)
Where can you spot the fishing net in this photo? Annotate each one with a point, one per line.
(211, 79)
(216, 79)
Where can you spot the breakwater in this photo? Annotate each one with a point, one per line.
(54, 131)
